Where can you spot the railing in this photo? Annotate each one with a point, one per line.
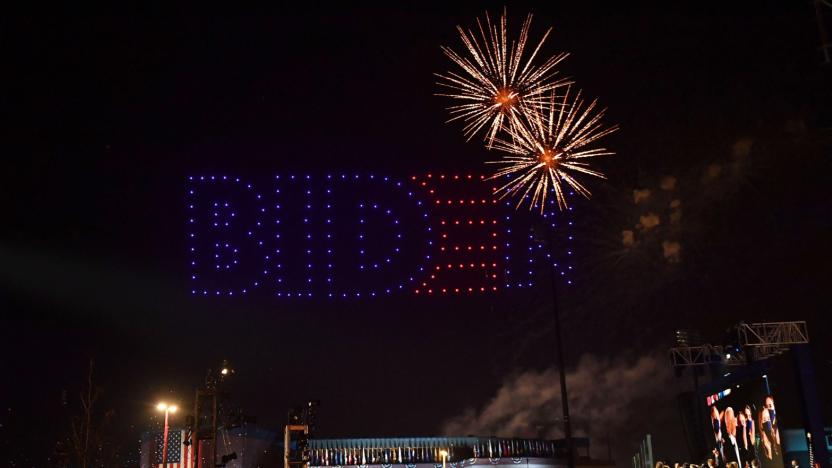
(341, 452)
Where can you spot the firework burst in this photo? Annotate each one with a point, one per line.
(546, 149)
(496, 85)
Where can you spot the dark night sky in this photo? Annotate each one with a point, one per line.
(106, 115)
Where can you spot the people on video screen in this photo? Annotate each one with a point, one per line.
(746, 437)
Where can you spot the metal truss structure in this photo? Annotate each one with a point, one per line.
(758, 340)
(771, 338)
(692, 356)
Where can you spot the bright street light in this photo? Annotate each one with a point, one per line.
(168, 409)
(162, 406)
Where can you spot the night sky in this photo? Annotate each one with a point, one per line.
(106, 116)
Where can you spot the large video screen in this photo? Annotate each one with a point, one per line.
(744, 425)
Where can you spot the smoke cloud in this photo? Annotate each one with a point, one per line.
(604, 395)
(712, 172)
(641, 196)
(668, 183)
(742, 148)
(627, 238)
(648, 221)
(672, 251)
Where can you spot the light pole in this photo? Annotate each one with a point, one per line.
(444, 454)
(213, 380)
(547, 237)
(225, 371)
(167, 409)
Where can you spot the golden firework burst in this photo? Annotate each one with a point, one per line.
(496, 85)
(546, 148)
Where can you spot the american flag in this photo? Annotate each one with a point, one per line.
(179, 454)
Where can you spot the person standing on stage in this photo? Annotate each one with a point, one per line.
(770, 454)
(731, 445)
(742, 438)
(719, 457)
(750, 434)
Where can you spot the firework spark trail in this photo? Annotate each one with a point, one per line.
(546, 148)
(496, 88)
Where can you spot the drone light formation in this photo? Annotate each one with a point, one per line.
(360, 236)
(548, 148)
(497, 85)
